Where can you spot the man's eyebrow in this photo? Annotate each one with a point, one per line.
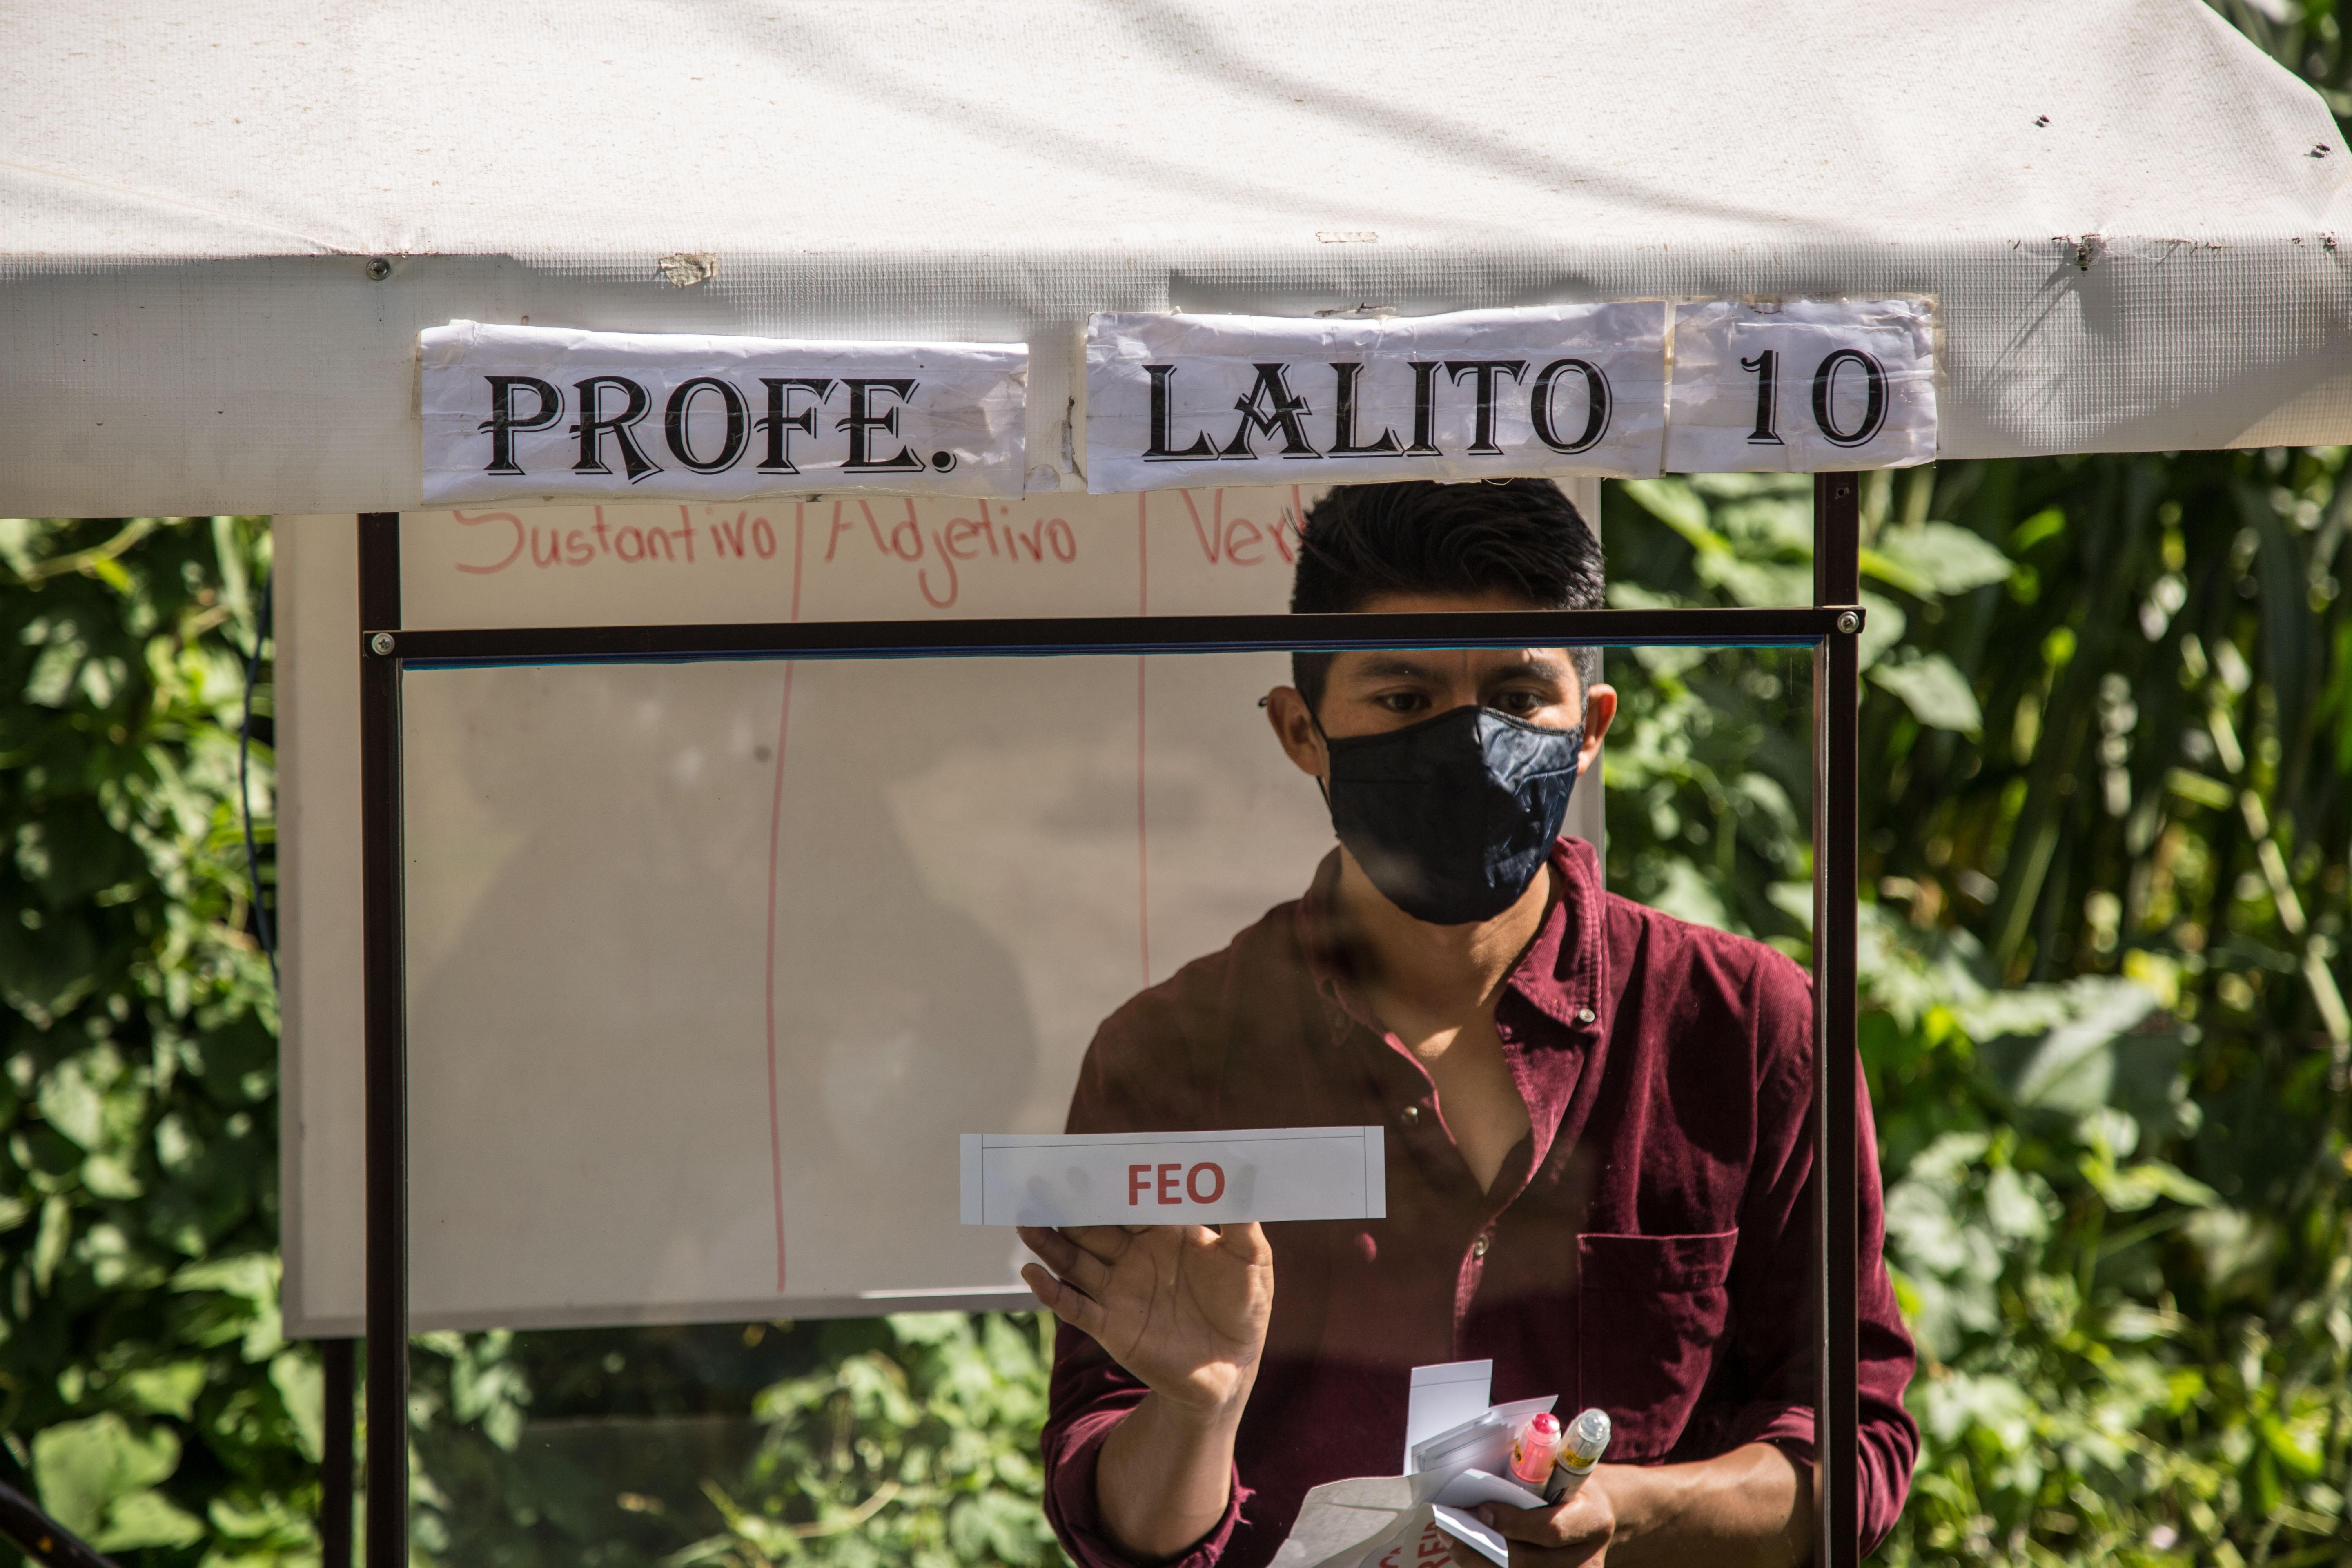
(1540, 664)
(1394, 667)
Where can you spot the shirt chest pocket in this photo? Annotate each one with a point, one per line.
(1651, 1310)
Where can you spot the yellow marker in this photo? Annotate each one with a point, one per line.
(1586, 1440)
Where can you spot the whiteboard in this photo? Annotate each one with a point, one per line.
(710, 963)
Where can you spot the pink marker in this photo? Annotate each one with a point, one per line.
(1535, 1448)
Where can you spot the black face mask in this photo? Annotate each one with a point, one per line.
(1453, 817)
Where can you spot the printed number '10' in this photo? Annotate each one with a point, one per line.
(1767, 368)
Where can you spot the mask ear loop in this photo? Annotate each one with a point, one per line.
(1320, 784)
(1324, 788)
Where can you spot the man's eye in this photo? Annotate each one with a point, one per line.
(1399, 701)
(1518, 702)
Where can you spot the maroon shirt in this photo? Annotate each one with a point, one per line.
(1644, 1248)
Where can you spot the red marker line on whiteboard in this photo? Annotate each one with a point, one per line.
(1142, 839)
(775, 849)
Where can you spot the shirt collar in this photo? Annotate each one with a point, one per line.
(1561, 974)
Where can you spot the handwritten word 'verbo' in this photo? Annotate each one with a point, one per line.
(1161, 1181)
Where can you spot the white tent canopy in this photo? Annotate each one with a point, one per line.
(2128, 214)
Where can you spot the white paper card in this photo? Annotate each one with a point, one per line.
(1472, 1488)
(1397, 1521)
(1451, 1511)
(1176, 400)
(1403, 1521)
(1174, 1178)
(520, 411)
(1342, 1524)
(1465, 1527)
(1483, 1442)
(1441, 1398)
(1801, 385)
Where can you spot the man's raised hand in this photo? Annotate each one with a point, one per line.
(1181, 1307)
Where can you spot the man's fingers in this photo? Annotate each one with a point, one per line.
(1056, 1249)
(1106, 1242)
(1245, 1243)
(1065, 1302)
(1065, 1258)
(1559, 1524)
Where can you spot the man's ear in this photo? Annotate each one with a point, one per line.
(1294, 726)
(1600, 712)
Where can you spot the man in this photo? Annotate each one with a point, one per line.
(1599, 1152)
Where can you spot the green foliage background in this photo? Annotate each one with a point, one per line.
(2108, 720)
(2109, 736)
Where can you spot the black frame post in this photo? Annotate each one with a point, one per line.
(1837, 777)
(335, 1478)
(1830, 627)
(383, 969)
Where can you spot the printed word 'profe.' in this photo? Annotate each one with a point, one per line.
(513, 412)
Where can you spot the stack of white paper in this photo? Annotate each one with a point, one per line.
(1456, 1447)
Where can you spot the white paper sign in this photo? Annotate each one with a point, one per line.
(1482, 1439)
(1802, 385)
(521, 411)
(1441, 1397)
(1174, 1178)
(1555, 389)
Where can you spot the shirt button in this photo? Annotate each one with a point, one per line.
(1478, 1247)
(1410, 1115)
(1584, 1015)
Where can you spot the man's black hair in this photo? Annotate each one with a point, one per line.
(1517, 537)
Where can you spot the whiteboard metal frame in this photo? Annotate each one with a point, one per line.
(1831, 627)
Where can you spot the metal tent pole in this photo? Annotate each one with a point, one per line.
(386, 1044)
(1837, 580)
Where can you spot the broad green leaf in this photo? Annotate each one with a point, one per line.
(2302, 1456)
(1946, 558)
(109, 1177)
(72, 1104)
(146, 1519)
(1882, 625)
(1687, 895)
(168, 1390)
(1677, 505)
(49, 1246)
(84, 1467)
(1758, 584)
(301, 1386)
(251, 1276)
(1934, 690)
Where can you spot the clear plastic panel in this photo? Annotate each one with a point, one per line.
(711, 967)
